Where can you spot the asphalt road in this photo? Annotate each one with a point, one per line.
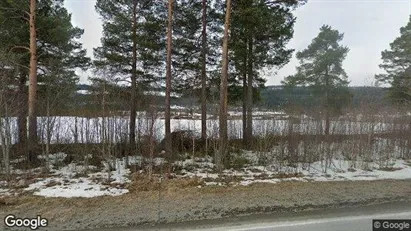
(342, 219)
(355, 223)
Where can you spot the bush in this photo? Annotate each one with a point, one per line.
(141, 182)
(239, 162)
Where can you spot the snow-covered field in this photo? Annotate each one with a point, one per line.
(89, 130)
(83, 180)
(77, 180)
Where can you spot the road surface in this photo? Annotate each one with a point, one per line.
(342, 219)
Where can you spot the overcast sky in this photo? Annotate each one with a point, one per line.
(368, 26)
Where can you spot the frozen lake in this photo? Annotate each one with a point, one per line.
(66, 129)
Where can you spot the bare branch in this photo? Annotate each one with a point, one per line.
(20, 47)
(20, 65)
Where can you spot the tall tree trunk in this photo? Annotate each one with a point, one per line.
(32, 83)
(223, 92)
(250, 93)
(327, 106)
(204, 78)
(168, 138)
(327, 118)
(22, 113)
(328, 155)
(245, 138)
(133, 107)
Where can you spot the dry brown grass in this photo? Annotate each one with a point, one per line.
(80, 174)
(141, 182)
(288, 175)
(52, 183)
(389, 169)
(8, 201)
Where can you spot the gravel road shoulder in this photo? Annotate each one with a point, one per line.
(178, 205)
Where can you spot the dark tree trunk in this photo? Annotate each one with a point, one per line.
(223, 92)
(327, 106)
(32, 84)
(168, 139)
(22, 114)
(250, 93)
(204, 78)
(327, 121)
(133, 105)
(245, 138)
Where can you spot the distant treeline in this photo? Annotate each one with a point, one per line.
(271, 97)
(277, 97)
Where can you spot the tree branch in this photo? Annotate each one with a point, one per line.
(18, 64)
(20, 47)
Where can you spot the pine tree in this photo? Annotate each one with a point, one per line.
(196, 54)
(260, 32)
(191, 20)
(32, 78)
(204, 75)
(321, 69)
(223, 92)
(55, 39)
(397, 65)
(168, 138)
(133, 47)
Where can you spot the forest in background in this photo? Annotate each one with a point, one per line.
(212, 54)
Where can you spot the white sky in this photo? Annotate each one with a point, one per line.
(369, 27)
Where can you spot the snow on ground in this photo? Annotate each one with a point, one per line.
(77, 180)
(83, 92)
(79, 187)
(337, 170)
(53, 158)
(176, 107)
(398, 169)
(4, 191)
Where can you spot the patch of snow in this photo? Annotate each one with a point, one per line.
(81, 187)
(399, 171)
(71, 170)
(338, 170)
(201, 163)
(159, 161)
(74, 180)
(83, 92)
(54, 158)
(119, 175)
(176, 107)
(65, 183)
(137, 160)
(248, 182)
(4, 192)
(213, 184)
(19, 160)
(3, 183)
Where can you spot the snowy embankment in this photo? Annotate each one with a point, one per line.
(340, 170)
(72, 180)
(78, 180)
(65, 183)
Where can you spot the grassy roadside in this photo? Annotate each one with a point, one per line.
(176, 205)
